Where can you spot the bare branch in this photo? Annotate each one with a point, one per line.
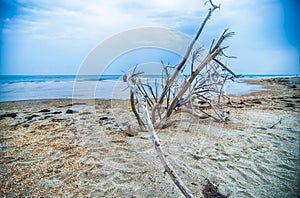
(224, 66)
(157, 145)
(199, 93)
(221, 39)
(185, 58)
(132, 102)
(191, 79)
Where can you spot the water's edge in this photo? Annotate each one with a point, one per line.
(15, 88)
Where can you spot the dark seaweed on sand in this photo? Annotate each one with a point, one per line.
(211, 191)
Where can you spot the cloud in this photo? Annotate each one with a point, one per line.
(98, 19)
(89, 19)
(259, 26)
(68, 19)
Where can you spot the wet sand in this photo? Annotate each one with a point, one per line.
(83, 148)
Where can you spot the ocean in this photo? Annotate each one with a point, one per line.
(25, 87)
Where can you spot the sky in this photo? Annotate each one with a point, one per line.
(56, 36)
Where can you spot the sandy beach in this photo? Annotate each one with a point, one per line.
(82, 148)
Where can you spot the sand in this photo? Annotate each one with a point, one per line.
(68, 148)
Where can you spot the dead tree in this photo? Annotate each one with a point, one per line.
(143, 107)
(200, 93)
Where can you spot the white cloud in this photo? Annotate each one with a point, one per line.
(94, 19)
(258, 24)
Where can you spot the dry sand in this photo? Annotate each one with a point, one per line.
(56, 148)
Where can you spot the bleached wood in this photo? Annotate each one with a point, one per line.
(157, 145)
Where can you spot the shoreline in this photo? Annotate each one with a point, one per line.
(63, 88)
(65, 147)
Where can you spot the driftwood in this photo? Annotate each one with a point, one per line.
(149, 126)
(170, 81)
(199, 93)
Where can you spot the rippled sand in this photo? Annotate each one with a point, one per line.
(82, 148)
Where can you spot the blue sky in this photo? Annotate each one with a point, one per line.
(55, 36)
